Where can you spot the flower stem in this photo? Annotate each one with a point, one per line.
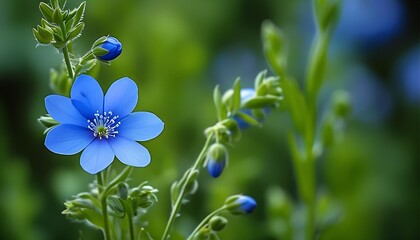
(107, 235)
(68, 63)
(205, 221)
(130, 223)
(176, 207)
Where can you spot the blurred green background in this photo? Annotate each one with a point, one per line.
(177, 51)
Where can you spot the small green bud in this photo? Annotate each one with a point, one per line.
(123, 190)
(341, 103)
(218, 223)
(114, 202)
(328, 132)
(46, 11)
(47, 121)
(57, 16)
(39, 38)
(192, 184)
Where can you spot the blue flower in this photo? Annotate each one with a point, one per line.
(246, 94)
(240, 204)
(103, 127)
(217, 156)
(114, 48)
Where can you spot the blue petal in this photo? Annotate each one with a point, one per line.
(247, 204)
(97, 156)
(121, 97)
(215, 168)
(87, 96)
(62, 110)
(130, 152)
(68, 139)
(140, 126)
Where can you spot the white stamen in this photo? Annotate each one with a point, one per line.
(104, 125)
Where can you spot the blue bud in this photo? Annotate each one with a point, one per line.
(240, 204)
(108, 49)
(217, 157)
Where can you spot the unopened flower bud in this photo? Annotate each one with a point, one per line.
(217, 223)
(341, 103)
(107, 48)
(217, 156)
(240, 204)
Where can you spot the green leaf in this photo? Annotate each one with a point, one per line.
(275, 47)
(76, 31)
(259, 79)
(218, 103)
(248, 119)
(174, 193)
(327, 13)
(317, 65)
(296, 104)
(236, 99)
(80, 12)
(261, 102)
(46, 11)
(95, 218)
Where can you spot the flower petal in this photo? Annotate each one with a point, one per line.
(97, 156)
(62, 110)
(121, 97)
(68, 139)
(140, 126)
(87, 96)
(130, 152)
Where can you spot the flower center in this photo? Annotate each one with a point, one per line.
(104, 125)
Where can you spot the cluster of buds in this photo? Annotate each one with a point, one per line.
(238, 109)
(59, 27)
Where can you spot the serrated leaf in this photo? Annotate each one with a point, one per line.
(76, 31)
(80, 12)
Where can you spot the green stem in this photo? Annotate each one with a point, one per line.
(205, 221)
(178, 202)
(68, 63)
(130, 223)
(107, 235)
